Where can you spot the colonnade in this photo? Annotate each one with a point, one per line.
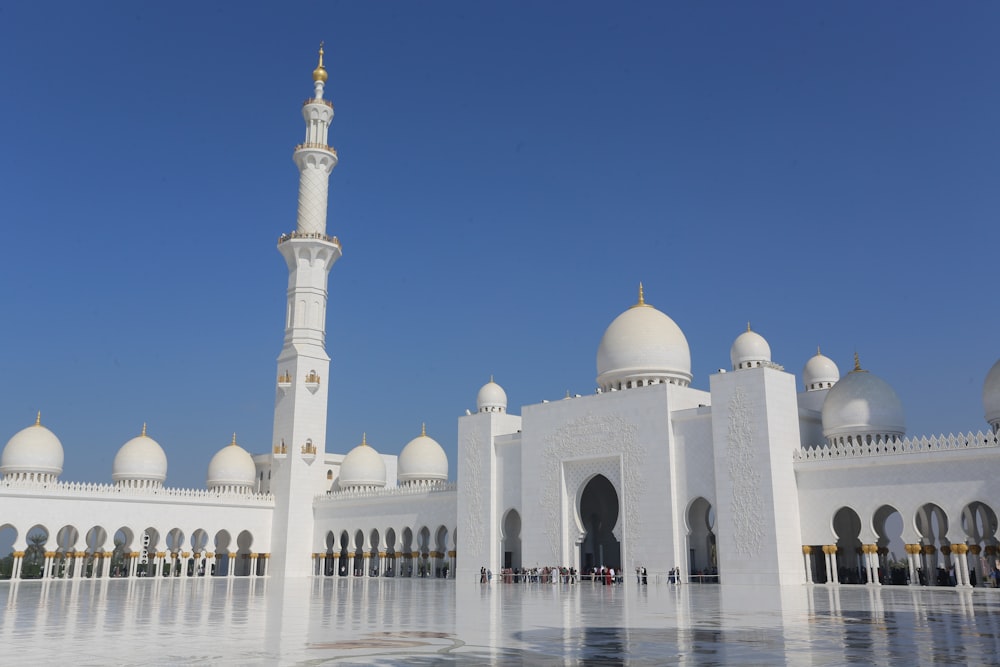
(72, 564)
(872, 560)
(344, 563)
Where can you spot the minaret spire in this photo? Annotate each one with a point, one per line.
(319, 75)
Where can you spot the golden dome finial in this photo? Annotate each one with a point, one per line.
(319, 74)
(423, 429)
(857, 362)
(491, 377)
(233, 443)
(143, 429)
(38, 419)
(817, 351)
(748, 325)
(364, 439)
(642, 296)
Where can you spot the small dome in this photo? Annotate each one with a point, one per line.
(643, 345)
(820, 372)
(33, 450)
(491, 398)
(991, 396)
(749, 350)
(862, 404)
(140, 459)
(362, 467)
(423, 460)
(231, 466)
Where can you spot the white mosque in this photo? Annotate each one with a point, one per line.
(763, 478)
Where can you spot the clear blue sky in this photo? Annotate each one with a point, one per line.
(508, 173)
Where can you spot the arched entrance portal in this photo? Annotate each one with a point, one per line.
(512, 540)
(703, 563)
(599, 511)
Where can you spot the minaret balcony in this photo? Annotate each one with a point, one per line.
(312, 381)
(284, 381)
(280, 451)
(321, 147)
(309, 451)
(309, 235)
(315, 101)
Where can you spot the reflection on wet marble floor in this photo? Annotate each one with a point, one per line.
(436, 622)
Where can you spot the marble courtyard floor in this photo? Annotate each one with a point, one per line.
(439, 622)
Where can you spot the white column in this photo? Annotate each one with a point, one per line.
(232, 564)
(807, 561)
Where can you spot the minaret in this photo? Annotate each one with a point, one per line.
(303, 366)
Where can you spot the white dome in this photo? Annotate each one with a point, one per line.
(231, 466)
(991, 395)
(33, 450)
(142, 459)
(862, 404)
(820, 372)
(423, 460)
(362, 467)
(491, 398)
(642, 344)
(749, 350)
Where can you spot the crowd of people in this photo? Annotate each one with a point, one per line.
(605, 576)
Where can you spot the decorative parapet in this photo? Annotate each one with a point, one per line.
(111, 491)
(898, 446)
(385, 492)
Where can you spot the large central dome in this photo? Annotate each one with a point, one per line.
(642, 346)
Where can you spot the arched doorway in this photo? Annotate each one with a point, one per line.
(703, 564)
(888, 524)
(979, 522)
(599, 510)
(847, 526)
(932, 525)
(512, 540)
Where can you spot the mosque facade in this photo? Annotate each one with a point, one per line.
(765, 478)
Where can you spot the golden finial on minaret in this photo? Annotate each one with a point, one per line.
(319, 74)
(143, 434)
(423, 429)
(233, 443)
(38, 419)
